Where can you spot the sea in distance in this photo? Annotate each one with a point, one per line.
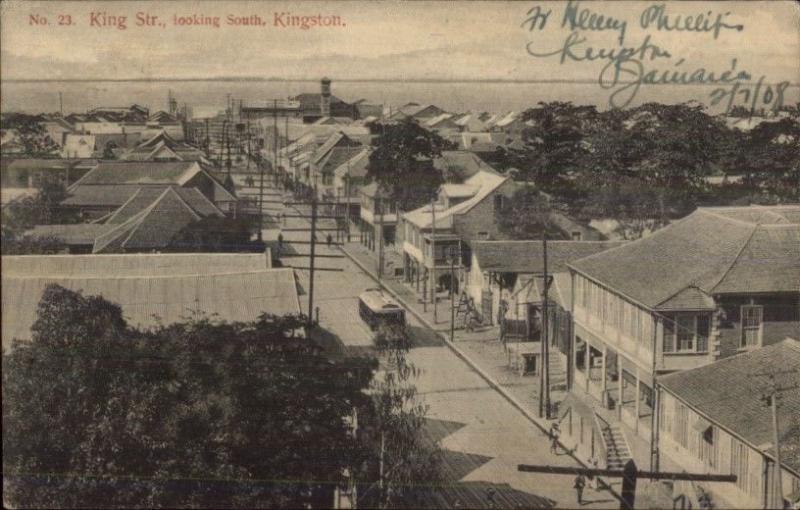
(457, 96)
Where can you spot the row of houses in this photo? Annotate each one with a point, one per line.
(670, 340)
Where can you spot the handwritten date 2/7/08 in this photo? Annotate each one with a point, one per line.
(104, 19)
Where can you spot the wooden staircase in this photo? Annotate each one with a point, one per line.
(615, 447)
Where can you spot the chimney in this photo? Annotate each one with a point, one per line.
(325, 97)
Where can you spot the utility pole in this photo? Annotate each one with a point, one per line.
(629, 474)
(275, 135)
(545, 331)
(433, 258)
(770, 398)
(311, 258)
(260, 164)
(452, 295)
(380, 204)
(61, 103)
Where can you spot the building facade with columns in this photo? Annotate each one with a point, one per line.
(720, 282)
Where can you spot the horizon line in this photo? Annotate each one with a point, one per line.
(340, 80)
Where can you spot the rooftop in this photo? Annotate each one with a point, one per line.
(485, 181)
(722, 250)
(527, 256)
(738, 407)
(148, 299)
(150, 172)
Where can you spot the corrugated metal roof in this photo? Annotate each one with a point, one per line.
(724, 394)
(230, 297)
(717, 250)
(100, 266)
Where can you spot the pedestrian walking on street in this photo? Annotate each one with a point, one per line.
(280, 242)
(328, 240)
(594, 479)
(580, 483)
(554, 434)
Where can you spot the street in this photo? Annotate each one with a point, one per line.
(483, 435)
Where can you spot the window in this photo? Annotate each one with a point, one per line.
(751, 325)
(708, 446)
(498, 202)
(686, 333)
(739, 463)
(576, 236)
(681, 424)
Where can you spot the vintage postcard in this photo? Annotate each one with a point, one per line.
(400, 254)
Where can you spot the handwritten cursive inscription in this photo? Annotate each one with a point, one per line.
(628, 66)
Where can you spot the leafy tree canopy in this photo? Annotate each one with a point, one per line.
(197, 414)
(401, 162)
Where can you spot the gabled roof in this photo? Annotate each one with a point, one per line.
(463, 164)
(147, 300)
(527, 256)
(356, 166)
(159, 137)
(728, 394)
(103, 195)
(156, 225)
(506, 119)
(337, 139)
(77, 234)
(439, 120)
(154, 172)
(485, 181)
(529, 289)
(338, 156)
(459, 190)
(727, 250)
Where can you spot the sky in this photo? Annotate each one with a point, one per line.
(378, 40)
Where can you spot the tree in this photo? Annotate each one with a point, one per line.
(401, 162)
(25, 213)
(31, 133)
(408, 464)
(528, 215)
(553, 145)
(201, 413)
(771, 153)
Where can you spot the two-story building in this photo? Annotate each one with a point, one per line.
(719, 282)
(714, 419)
(378, 217)
(434, 232)
(348, 178)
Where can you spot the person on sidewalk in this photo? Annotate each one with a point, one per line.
(580, 483)
(554, 434)
(595, 480)
(328, 240)
(280, 242)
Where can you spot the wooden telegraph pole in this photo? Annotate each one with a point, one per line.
(629, 474)
(433, 258)
(311, 258)
(770, 398)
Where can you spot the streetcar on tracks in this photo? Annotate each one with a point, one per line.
(376, 308)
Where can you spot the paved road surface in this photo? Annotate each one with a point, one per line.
(483, 436)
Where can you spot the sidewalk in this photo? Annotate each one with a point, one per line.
(483, 351)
